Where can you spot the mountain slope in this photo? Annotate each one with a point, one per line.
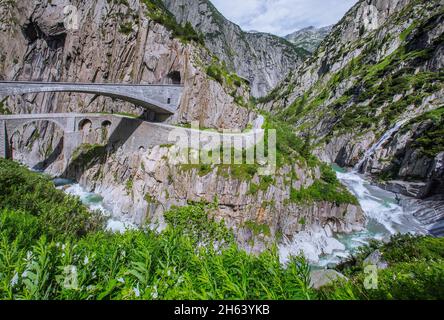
(381, 68)
(140, 42)
(309, 38)
(264, 59)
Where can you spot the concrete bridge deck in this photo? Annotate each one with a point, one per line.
(160, 99)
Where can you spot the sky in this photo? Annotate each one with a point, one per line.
(282, 17)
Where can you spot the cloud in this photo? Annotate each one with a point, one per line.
(282, 17)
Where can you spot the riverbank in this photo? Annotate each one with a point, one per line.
(385, 214)
(385, 218)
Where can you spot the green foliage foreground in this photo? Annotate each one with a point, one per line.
(52, 247)
(193, 258)
(415, 271)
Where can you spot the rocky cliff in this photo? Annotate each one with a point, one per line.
(140, 42)
(140, 187)
(117, 41)
(374, 91)
(263, 59)
(309, 38)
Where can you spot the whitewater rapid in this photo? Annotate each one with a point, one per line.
(385, 217)
(95, 203)
(384, 214)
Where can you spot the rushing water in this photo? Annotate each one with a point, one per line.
(388, 135)
(385, 217)
(94, 202)
(383, 211)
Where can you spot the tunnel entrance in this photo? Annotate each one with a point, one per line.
(175, 77)
(32, 32)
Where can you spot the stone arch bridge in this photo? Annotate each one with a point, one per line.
(157, 99)
(132, 133)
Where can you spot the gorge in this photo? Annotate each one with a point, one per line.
(358, 116)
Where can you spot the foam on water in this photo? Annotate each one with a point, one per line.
(385, 217)
(313, 244)
(94, 202)
(386, 136)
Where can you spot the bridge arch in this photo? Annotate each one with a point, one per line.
(13, 127)
(106, 124)
(85, 125)
(159, 99)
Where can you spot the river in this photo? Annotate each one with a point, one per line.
(384, 214)
(94, 202)
(385, 217)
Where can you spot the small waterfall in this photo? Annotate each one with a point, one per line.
(370, 152)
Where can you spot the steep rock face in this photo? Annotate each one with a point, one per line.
(263, 59)
(309, 38)
(116, 42)
(380, 69)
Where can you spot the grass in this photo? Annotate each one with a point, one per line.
(158, 13)
(230, 81)
(126, 28)
(415, 271)
(195, 257)
(87, 153)
(258, 229)
(52, 247)
(34, 196)
(3, 108)
(431, 142)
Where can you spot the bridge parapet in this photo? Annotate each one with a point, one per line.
(160, 99)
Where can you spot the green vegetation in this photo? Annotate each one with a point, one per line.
(52, 248)
(126, 28)
(289, 146)
(30, 198)
(158, 13)
(202, 169)
(431, 141)
(230, 81)
(264, 184)
(124, 114)
(369, 104)
(87, 153)
(258, 229)
(328, 188)
(415, 271)
(3, 108)
(129, 185)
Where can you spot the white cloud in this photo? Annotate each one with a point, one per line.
(282, 17)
